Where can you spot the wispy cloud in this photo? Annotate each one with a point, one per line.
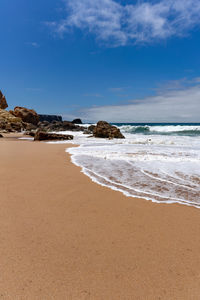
(93, 95)
(119, 91)
(116, 89)
(172, 105)
(33, 44)
(34, 89)
(117, 24)
(179, 84)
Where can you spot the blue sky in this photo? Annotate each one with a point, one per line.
(105, 59)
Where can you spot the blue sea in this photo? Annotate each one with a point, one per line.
(183, 129)
(156, 162)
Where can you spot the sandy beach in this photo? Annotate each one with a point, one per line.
(65, 237)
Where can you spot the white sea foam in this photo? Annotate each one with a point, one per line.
(174, 128)
(26, 138)
(160, 129)
(160, 168)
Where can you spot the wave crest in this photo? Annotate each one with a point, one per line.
(186, 130)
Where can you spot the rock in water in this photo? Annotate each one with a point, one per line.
(45, 136)
(91, 128)
(3, 102)
(105, 130)
(77, 121)
(27, 115)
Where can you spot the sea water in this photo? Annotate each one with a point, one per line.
(157, 162)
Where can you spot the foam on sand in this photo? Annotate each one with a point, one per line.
(160, 168)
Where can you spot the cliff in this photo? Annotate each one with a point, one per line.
(50, 118)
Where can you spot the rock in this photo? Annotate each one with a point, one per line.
(71, 126)
(30, 127)
(27, 115)
(67, 125)
(91, 128)
(44, 136)
(105, 130)
(10, 123)
(86, 131)
(3, 102)
(43, 124)
(77, 121)
(50, 118)
(59, 126)
(1, 136)
(30, 133)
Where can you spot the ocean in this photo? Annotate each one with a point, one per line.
(156, 162)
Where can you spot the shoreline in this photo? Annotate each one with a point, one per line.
(66, 237)
(124, 193)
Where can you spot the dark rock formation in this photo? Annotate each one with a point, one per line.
(50, 118)
(27, 115)
(43, 124)
(86, 131)
(77, 121)
(30, 133)
(91, 128)
(105, 130)
(1, 136)
(59, 126)
(44, 136)
(3, 102)
(30, 127)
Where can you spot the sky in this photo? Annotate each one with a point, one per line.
(113, 60)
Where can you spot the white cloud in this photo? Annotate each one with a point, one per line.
(93, 95)
(119, 24)
(34, 89)
(181, 105)
(117, 89)
(33, 44)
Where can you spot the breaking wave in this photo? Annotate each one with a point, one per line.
(187, 130)
(158, 162)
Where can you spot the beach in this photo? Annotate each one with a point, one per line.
(66, 237)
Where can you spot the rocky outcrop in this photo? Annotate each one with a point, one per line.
(50, 118)
(60, 126)
(30, 133)
(3, 102)
(77, 121)
(10, 123)
(27, 115)
(91, 128)
(46, 136)
(30, 127)
(105, 130)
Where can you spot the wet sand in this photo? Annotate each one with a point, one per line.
(64, 237)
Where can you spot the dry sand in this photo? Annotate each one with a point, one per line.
(65, 237)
